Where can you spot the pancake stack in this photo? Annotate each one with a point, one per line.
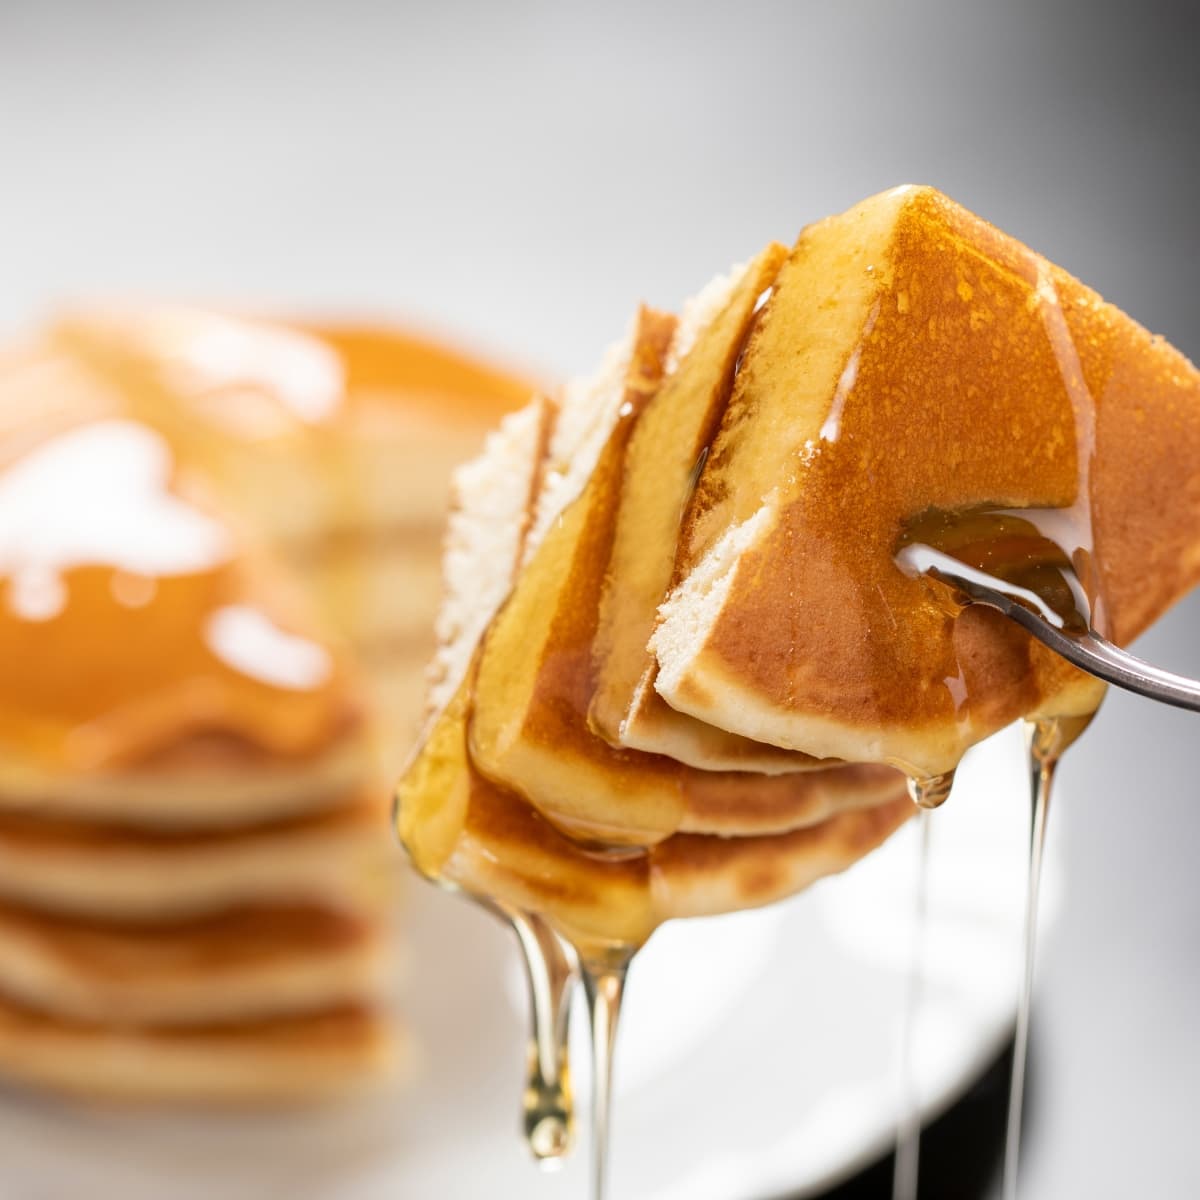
(695, 678)
(513, 795)
(335, 443)
(195, 892)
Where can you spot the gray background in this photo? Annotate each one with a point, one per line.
(521, 174)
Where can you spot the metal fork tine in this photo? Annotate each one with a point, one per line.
(1090, 652)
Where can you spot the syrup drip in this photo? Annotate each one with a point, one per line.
(908, 1125)
(1047, 740)
(604, 985)
(551, 971)
(930, 791)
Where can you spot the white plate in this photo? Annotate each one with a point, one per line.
(758, 1056)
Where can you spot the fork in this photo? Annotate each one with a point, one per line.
(1089, 650)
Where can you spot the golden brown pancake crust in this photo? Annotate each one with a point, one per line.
(546, 750)
(976, 378)
(508, 850)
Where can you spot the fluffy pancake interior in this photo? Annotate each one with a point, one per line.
(493, 499)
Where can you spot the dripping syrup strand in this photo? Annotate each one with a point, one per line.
(551, 972)
(604, 986)
(1046, 740)
(927, 795)
(908, 1125)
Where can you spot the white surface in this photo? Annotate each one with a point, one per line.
(758, 1054)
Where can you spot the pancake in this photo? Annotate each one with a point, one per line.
(219, 541)
(207, 781)
(534, 682)
(128, 627)
(278, 1061)
(241, 964)
(433, 796)
(657, 473)
(313, 431)
(154, 876)
(464, 830)
(510, 853)
(916, 368)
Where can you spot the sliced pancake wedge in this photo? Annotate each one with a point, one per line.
(658, 469)
(913, 368)
(534, 681)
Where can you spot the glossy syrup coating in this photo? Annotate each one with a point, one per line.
(142, 452)
(471, 833)
(537, 676)
(514, 797)
(943, 367)
(132, 615)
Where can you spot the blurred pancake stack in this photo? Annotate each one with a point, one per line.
(219, 545)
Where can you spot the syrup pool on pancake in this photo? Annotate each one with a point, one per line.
(145, 566)
(333, 441)
(905, 369)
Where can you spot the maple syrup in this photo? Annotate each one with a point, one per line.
(908, 1126)
(125, 623)
(604, 977)
(1046, 740)
(1015, 550)
(928, 792)
(959, 332)
(551, 972)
